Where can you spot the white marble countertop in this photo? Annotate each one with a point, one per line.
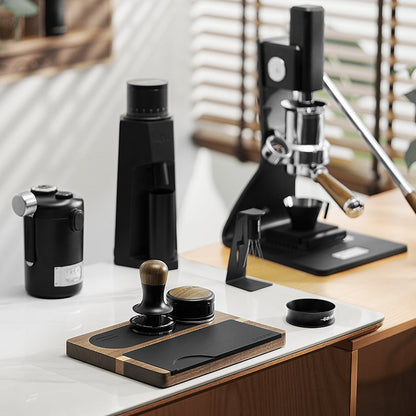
(37, 378)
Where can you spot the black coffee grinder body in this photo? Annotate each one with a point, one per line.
(146, 200)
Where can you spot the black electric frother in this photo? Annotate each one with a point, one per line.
(53, 239)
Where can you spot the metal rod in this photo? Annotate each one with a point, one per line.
(365, 133)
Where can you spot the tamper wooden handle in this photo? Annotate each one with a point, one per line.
(153, 273)
(153, 276)
(346, 200)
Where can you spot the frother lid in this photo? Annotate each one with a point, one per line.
(147, 98)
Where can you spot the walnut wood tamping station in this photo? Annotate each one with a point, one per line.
(155, 349)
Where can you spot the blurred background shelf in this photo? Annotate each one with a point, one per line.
(88, 40)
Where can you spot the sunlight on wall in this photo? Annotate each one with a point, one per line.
(63, 129)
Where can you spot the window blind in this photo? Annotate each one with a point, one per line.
(369, 45)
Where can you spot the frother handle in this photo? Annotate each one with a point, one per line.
(346, 200)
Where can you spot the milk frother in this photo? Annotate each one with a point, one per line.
(53, 241)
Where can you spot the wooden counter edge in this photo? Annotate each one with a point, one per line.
(192, 391)
(373, 337)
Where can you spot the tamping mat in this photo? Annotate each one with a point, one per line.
(191, 351)
(208, 344)
(124, 337)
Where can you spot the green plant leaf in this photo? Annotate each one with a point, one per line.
(21, 8)
(410, 155)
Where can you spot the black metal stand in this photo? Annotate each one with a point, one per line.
(246, 237)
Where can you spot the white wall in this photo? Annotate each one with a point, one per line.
(63, 130)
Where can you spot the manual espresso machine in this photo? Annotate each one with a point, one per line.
(293, 143)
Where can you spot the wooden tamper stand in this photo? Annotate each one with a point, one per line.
(153, 312)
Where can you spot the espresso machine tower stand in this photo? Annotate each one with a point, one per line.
(293, 143)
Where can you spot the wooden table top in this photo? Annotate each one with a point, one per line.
(387, 286)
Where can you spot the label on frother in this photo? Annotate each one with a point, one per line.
(68, 275)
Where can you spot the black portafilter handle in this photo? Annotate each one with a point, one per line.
(307, 32)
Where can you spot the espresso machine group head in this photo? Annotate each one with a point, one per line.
(297, 67)
(293, 143)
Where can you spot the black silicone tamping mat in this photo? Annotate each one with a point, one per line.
(124, 337)
(203, 346)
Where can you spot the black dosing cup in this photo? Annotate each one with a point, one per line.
(303, 212)
(310, 313)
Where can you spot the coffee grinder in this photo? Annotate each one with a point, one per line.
(146, 198)
(293, 143)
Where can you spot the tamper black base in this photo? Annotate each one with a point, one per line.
(152, 325)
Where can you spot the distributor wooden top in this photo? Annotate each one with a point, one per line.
(387, 286)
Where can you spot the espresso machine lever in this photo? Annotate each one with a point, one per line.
(375, 147)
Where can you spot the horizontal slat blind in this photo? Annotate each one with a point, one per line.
(399, 75)
(225, 78)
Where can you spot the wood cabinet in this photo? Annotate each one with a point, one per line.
(314, 384)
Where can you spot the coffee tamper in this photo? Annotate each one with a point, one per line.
(152, 318)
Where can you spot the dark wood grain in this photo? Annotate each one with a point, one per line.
(387, 377)
(314, 384)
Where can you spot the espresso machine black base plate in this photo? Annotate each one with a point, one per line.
(354, 250)
(285, 236)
